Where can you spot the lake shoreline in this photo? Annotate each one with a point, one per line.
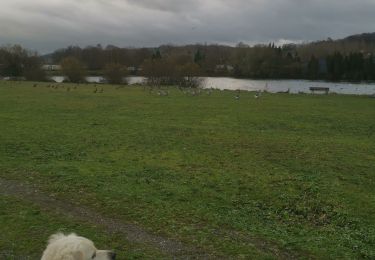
(266, 85)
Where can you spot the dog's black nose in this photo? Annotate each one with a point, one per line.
(112, 255)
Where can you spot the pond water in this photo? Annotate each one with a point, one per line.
(274, 86)
(294, 86)
(99, 79)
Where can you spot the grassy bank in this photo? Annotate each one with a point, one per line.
(282, 175)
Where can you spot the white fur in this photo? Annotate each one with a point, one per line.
(73, 247)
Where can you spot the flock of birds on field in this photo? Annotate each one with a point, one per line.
(186, 91)
(159, 91)
(156, 90)
(194, 92)
(69, 88)
(58, 86)
(153, 90)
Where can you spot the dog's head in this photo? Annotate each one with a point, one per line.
(76, 247)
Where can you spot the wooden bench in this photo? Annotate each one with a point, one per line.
(319, 89)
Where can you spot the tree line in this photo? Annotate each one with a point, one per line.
(258, 62)
(16, 62)
(350, 59)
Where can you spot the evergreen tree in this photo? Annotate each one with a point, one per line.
(369, 68)
(313, 68)
(156, 55)
(198, 57)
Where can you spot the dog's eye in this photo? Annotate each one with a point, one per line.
(93, 256)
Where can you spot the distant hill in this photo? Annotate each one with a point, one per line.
(364, 37)
(47, 58)
(364, 43)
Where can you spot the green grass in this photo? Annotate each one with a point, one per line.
(292, 172)
(25, 230)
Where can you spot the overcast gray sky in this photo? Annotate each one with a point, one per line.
(46, 25)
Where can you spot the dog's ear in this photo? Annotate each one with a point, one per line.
(78, 255)
(55, 237)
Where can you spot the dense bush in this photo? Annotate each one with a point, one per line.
(73, 69)
(177, 71)
(115, 73)
(33, 69)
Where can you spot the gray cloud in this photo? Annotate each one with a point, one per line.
(47, 25)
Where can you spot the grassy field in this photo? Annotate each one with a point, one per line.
(25, 229)
(282, 176)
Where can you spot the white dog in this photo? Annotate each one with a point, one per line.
(73, 247)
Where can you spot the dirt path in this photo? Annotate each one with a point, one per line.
(131, 232)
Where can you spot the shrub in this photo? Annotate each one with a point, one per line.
(172, 72)
(73, 69)
(33, 69)
(115, 73)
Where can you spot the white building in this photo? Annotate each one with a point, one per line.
(51, 67)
